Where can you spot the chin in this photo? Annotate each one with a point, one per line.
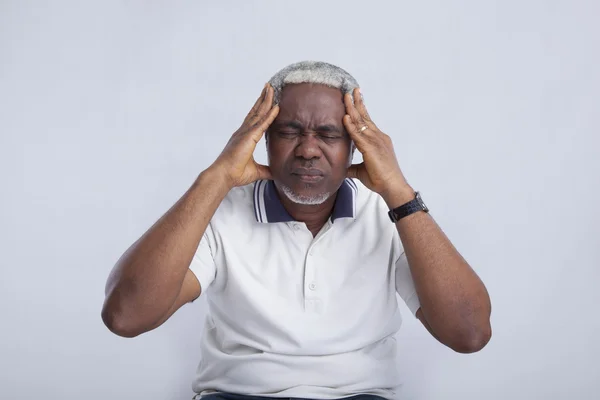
(305, 194)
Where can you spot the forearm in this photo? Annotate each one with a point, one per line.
(146, 280)
(454, 301)
(149, 282)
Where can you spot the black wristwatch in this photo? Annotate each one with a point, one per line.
(409, 208)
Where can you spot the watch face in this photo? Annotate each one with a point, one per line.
(421, 203)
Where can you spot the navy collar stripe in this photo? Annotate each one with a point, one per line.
(257, 210)
(352, 184)
(255, 198)
(269, 209)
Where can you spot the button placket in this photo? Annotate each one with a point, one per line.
(312, 300)
(309, 277)
(312, 296)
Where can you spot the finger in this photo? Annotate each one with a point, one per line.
(260, 128)
(267, 102)
(264, 172)
(268, 119)
(350, 127)
(353, 170)
(353, 112)
(348, 102)
(354, 132)
(259, 101)
(359, 104)
(351, 108)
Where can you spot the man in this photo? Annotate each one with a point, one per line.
(301, 260)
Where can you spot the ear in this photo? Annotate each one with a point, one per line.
(267, 147)
(352, 149)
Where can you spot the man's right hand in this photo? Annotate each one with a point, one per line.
(152, 279)
(236, 162)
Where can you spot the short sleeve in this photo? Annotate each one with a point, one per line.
(405, 286)
(203, 264)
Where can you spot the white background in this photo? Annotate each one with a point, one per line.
(109, 110)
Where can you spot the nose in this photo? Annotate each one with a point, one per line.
(308, 147)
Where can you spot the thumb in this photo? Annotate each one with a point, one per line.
(354, 169)
(264, 172)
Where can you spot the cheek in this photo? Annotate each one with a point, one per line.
(351, 153)
(277, 152)
(342, 157)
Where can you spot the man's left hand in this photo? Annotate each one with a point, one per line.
(379, 171)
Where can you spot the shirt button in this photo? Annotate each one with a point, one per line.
(312, 286)
(296, 227)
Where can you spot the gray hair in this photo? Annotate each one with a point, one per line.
(312, 72)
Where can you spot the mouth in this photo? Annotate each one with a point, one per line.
(309, 175)
(308, 178)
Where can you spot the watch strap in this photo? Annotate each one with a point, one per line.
(407, 209)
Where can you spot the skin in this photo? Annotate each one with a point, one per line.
(455, 305)
(308, 136)
(152, 280)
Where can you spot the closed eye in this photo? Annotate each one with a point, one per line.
(330, 136)
(327, 136)
(330, 132)
(288, 134)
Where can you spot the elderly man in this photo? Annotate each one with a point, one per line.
(301, 261)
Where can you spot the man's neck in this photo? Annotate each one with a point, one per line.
(314, 216)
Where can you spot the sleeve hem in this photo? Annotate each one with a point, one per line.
(201, 273)
(413, 304)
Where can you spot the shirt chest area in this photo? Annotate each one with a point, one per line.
(284, 265)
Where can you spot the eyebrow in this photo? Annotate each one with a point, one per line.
(329, 128)
(290, 124)
(298, 126)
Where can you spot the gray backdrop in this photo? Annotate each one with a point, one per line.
(109, 110)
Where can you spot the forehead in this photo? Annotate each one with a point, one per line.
(308, 102)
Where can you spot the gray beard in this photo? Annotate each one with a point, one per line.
(305, 200)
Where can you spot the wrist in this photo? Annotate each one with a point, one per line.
(398, 195)
(214, 177)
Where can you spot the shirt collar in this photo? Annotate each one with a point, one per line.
(268, 207)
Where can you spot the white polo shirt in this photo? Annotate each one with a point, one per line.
(295, 316)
